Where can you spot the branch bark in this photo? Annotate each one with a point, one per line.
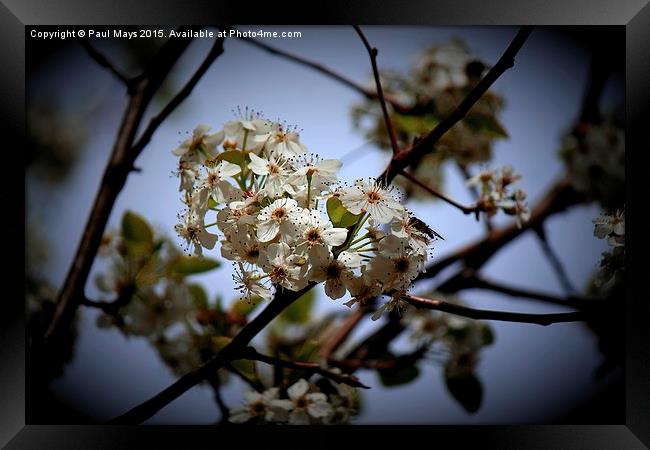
(372, 52)
(485, 314)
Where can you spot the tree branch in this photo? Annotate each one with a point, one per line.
(104, 62)
(372, 52)
(407, 156)
(230, 352)
(115, 175)
(553, 258)
(441, 196)
(370, 95)
(485, 314)
(350, 323)
(251, 353)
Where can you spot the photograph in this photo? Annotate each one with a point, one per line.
(325, 225)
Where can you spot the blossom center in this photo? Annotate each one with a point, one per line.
(402, 264)
(333, 271)
(279, 214)
(278, 273)
(312, 235)
(373, 197)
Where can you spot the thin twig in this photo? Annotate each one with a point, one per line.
(474, 193)
(372, 52)
(104, 62)
(154, 123)
(251, 353)
(485, 314)
(371, 95)
(408, 155)
(335, 341)
(441, 196)
(554, 259)
(216, 387)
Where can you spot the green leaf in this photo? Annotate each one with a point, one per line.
(398, 376)
(300, 310)
(467, 390)
(136, 232)
(307, 350)
(246, 367)
(415, 124)
(487, 334)
(219, 342)
(212, 203)
(199, 296)
(339, 215)
(190, 265)
(233, 156)
(487, 124)
(244, 307)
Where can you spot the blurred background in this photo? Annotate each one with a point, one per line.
(529, 374)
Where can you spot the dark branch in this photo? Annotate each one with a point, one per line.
(104, 62)
(215, 51)
(553, 258)
(230, 352)
(372, 52)
(485, 314)
(251, 353)
(441, 196)
(407, 156)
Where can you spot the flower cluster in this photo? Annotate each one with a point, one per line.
(284, 219)
(611, 227)
(305, 405)
(438, 81)
(595, 156)
(494, 193)
(458, 338)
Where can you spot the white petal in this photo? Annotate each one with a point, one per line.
(334, 289)
(299, 418)
(228, 169)
(320, 409)
(207, 240)
(298, 389)
(258, 165)
(267, 230)
(334, 236)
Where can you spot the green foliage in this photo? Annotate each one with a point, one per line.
(136, 232)
(199, 296)
(233, 156)
(245, 307)
(398, 375)
(190, 265)
(487, 334)
(415, 125)
(467, 390)
(244, 366)
(339, 215)
(489, 125)
(300, 310)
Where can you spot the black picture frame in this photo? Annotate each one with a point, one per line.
(634, 15)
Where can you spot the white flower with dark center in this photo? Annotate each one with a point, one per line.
(214, 181)
(396, 264)
(335, 272)
(611, 226)
(187, 174)
(483, 180)
(242, 246)
(516, 206)
(236, 214)
(321, 173)
(345, 404)
(377, 201)
(201, 145)
(280, 264)
(315, 231)
(258, 406)
(394, 304)
(193, 231)
(304, 407)
(280, 217)
(280, 142)
(275, 171)
(362, 289)
(249, 284)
